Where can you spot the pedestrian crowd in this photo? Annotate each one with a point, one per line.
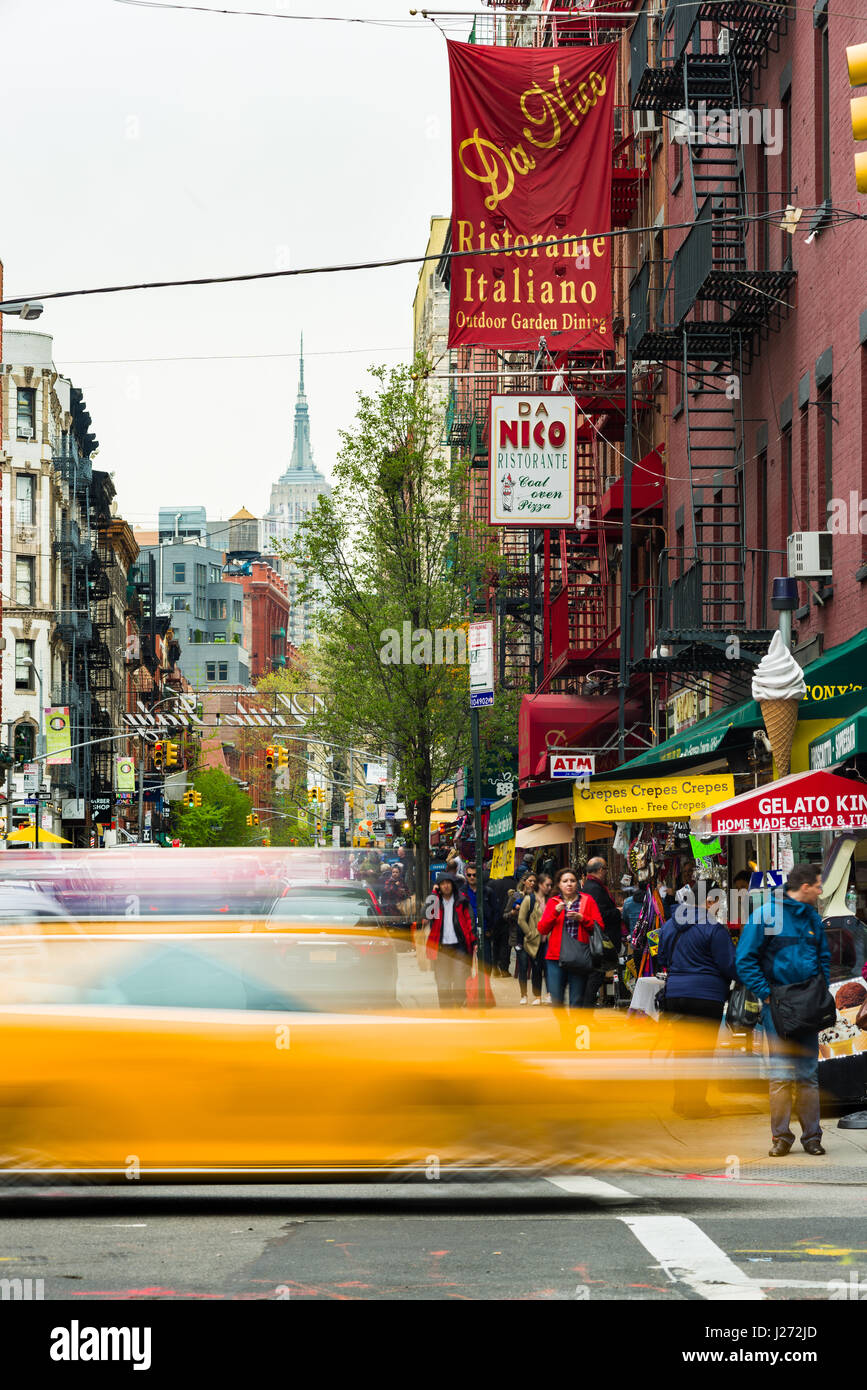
(554, 924)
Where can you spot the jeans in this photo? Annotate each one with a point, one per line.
(558, 978)
(532, 966)
(794, 1075)
(451, 972)
(690, 1093)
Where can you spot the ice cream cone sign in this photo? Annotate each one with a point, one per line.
(779, 687)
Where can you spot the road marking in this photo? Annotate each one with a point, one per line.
(689, 1256)
(585, 1186)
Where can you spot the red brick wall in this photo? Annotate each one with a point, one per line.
(829, 296)
(268, 596)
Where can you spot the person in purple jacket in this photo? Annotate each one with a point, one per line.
(697, 952)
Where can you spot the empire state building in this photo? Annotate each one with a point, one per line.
(293, 497)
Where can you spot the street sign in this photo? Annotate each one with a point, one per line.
(31, 778)
(376, 774)
(390, 801)
(481, 650)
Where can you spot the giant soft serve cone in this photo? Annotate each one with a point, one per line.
(781, 721)
(779, 687)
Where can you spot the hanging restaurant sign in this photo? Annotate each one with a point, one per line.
(531, 480)
(532, 142)
(803, 801)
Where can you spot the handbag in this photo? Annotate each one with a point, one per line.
(802, 1009)
(743, 1010)
(597, 945)
(488, 1000)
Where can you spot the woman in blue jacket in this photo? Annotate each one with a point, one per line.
(698, 954)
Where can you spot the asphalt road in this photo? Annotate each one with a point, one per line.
(623, 1237)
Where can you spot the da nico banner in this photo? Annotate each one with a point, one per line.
(532, 138)
(57, 736)
(125, 774)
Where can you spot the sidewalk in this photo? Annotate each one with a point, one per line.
(739, 1132)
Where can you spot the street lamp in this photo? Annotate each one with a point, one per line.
(28, 661)
(23, 308)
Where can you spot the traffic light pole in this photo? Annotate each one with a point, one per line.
(140, 787)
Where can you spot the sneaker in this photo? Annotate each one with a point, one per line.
(523, 999)
(548, 999)
(535, 1002)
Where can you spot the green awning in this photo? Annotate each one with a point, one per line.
(839, 743)
(830, 692)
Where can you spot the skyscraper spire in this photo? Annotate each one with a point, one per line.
(302, 454)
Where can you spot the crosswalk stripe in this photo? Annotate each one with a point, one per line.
(691, 1257)
(585, 1186)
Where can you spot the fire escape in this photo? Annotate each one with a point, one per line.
(553, 593)
(102, 661)
(714, 311)
(73, 627)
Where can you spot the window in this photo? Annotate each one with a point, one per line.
(179, 572)
(826, 454)
(762, 225)
(180, 602)
(786, 479)
(26, 412)
(823, 114)
(237, 610)
(24, 580)
(215, 574)
(23, 666)
(201, 591)
(25, 743)
(211, 670)
(223, 670)
(762, 536)
(25, 499)
(786, 166)
(804, 519)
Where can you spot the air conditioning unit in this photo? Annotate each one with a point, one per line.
(810, 555)
(645, 122)
(723, 43)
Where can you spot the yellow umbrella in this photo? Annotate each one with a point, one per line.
(27, 833)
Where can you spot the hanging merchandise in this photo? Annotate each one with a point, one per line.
(621, 838)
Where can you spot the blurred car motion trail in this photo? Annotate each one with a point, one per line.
(235, 1012)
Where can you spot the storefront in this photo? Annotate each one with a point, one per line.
(826, 804)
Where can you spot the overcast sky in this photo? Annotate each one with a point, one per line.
(155, 144)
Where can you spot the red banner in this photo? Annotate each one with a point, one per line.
(532, 141)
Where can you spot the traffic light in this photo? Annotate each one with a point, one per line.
(350, 799)
(172, 751)
(250, 818)
(320, 793)
(856, 59)
(269, 757)
(255, 818)
(282, 757)
(197, 798)
(158, 756)
(189, 798)
(319, 827)
(311, 794)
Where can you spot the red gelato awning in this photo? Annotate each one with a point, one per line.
(804, 801)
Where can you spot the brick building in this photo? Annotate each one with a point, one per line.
(266, 617)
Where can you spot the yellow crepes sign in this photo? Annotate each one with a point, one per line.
(661, 798)
(503, 862)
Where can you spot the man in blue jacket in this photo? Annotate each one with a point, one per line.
(784, 943)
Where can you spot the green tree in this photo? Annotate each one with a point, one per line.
(222, 817)
(387, 554)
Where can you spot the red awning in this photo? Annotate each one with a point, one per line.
(804, 801)
(548, 722)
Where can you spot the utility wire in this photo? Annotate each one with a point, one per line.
(272, 14)
(836, 216)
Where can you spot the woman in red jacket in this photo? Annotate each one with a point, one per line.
(573, 913)
(451, 943)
